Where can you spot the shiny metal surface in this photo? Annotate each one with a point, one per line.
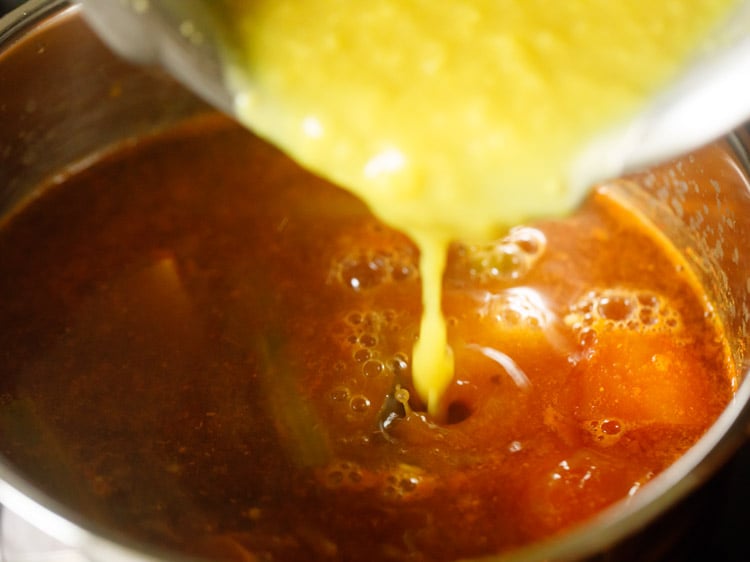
(705, 100)
(171, 33)
(65, 98)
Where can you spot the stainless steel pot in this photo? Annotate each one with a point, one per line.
(65, 99)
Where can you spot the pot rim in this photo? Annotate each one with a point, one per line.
(609, 527)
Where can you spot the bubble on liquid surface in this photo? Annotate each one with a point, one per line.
(405, 482)
(354, 318)
(363, 268)
(371, 337)
(361, 272)
(625, 309)
(605, 432)
(507, 259)
(343, 474)
(518, 307)
(400, 483)
(362, 355)
(399, 363)
(368, 340)
(373, 368)
(359, 403)
(339, 394)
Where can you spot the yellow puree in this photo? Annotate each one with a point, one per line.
(452, 119)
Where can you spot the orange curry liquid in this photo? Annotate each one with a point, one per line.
(208, 349)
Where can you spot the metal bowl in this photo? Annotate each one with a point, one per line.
(65, 99)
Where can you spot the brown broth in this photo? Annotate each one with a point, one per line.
(202, 344)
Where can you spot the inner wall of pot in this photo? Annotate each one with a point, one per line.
(65, 100)
(703, 210)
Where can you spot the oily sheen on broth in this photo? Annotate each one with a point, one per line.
(453, 120)
(208, 350)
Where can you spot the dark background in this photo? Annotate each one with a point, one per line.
(7, 5)
(723, 523)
